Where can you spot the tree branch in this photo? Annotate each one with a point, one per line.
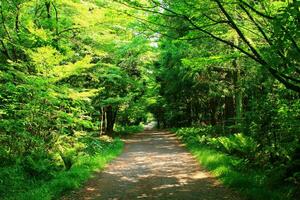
(240, 33)
(256, 11)
(5, 51)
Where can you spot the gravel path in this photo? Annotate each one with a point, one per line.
(154, 165)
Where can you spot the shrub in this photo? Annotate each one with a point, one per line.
(236, 144)
(233, 160)
(127, 130)
(38, 164)
(194, 134)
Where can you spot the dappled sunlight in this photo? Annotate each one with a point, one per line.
(90, 189)
(166, 186)
(154, 166)
(142, 196)
(200, 175)
(79, 79)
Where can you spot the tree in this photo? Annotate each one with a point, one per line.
(259, 27)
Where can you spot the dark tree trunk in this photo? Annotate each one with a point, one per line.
(17, 26)
(48, 9)
(103, 121)
(189, 114)
(229, 110)
(110, 120)
(213, 111)
(158, 123)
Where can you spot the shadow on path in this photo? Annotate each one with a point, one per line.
(154, 165)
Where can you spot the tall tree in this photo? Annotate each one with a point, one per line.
(263, 38)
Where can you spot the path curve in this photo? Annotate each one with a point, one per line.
(154, 165)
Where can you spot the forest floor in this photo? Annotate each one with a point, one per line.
(154, 165)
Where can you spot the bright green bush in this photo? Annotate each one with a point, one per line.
(38, 165)
(127, 130)
(38, 179)
(231, 160)
(236, 144)
(194, 134)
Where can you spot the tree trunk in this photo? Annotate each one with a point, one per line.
(213, 111)
(103, 121)
(17, 25)
(238, 91)
(229, 110)
(110, 117)
(190, 113)
(48, 9)
(158, 123)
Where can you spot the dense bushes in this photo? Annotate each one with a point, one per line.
(44, 176)
(43, 132)
(60, 86)
(47, 136)
(241, 162)
(237, 144)
(127, 130)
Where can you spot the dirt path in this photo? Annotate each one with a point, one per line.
(153, 166)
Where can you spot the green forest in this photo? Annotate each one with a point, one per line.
(78, 75)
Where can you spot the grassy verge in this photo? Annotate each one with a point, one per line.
(64, 181)
(252, 183)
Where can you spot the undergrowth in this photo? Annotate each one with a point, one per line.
(17, 184)
(229, 158)
(128, 130)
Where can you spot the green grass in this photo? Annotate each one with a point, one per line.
(66, 180)
(230, 165)
(251, 183)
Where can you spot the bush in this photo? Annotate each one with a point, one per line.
(38, 164)
(127, 130)
(194, 134)
(236, 144)
(48, 181)
(231, 159)
(11, 179)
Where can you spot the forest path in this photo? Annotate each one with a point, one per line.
(154, 165)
